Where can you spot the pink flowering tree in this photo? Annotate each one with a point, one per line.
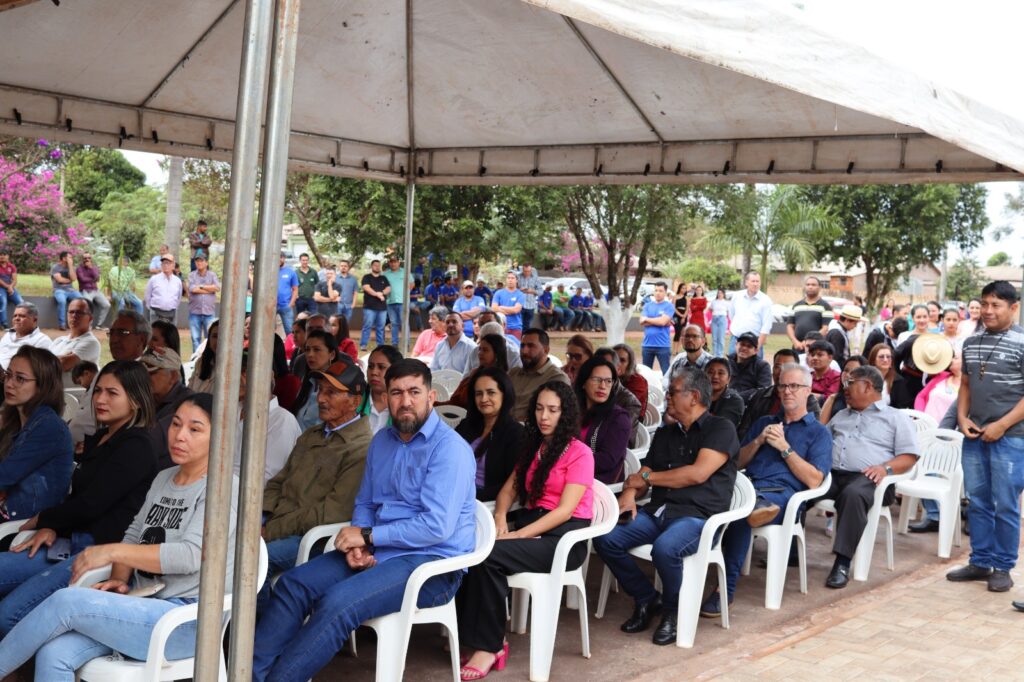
(35, 225)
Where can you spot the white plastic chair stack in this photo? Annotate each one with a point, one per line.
(695, 566)
(70, 406)
(652, 418)
(779, 538)
(922, 421)
(545, 589)
(451, 414)
(655, 396)
(938, 476)
(630, 466)
(156, 667)
(448, 378)
(643, 443)
(653, 376)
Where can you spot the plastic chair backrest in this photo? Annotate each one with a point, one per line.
(442, 391)
(942, 451)
(451, 414)
(643, 441)
(71, 405)
(556, 361)
(652, 376)
(632, 464)
(448, 378)
(655, 395)
(652, 416)
(921, 420)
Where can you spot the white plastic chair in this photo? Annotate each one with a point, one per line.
(651, 418)
(12, 529)
(630, 466)
(188, 368)
(70, 406)
(866, 546)
(556, 361)
(642, 444)
(779, 538)
(448, 378)
(938, 476)
(653, 376)
(655, 395)
(156, 667)
(442, 391)
(922, 420)
(451, 414)
(545, 589)
(695, 566)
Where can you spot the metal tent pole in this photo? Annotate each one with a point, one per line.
(410, 202)
(261, 339)
(244, 160)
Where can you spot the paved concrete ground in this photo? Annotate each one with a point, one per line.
(900, 625)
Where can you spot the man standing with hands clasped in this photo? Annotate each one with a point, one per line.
(990, 409)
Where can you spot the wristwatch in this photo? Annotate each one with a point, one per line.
(367, 534)
(787, 452)
(646, 475)
(888, 470)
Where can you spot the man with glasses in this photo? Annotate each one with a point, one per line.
(79, 344)
(870, 440)
(88, 286)
(690, 471)
(693, 355)
(25, 332)
(767, 401)
(8, 285)
(784, 453)
(163, 292)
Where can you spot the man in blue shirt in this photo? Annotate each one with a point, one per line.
(448, 292)
(469, 306)
(433, 293)
(509, 302)
(416, 504)
(483, 291)
(287, 292)
(656, 320)
(546, 309)
(396, 278)
(784, 454)
(347, 285)
(596, 321)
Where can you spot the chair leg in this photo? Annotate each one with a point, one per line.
(907, 505)
(584, 623)
(543, 627)
(571, 600)
(723, 601)
(866, 547)
(602, 595)
(391, 656)
(451, 625)
(890, 560)
(746, 562)
(520, 610)
(690, 594)
(775, 580)
(801, 557)
(948, 517)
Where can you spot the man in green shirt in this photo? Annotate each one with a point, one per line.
(396, 278)
(121, 286)
(308, 279)
(560, 299)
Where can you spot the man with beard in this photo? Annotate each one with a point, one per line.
(693, 355)
(416, 504)
(536, 371)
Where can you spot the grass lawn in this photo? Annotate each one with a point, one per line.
(39, 285)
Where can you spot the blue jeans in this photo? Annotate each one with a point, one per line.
(75, 625)
(662, 353)
(62, 296)
(395, 318)
(528, 317)
(564, 316)
(14, 297)
(346, 310)
(336, 599)
(718, 325)
(598, 321)
(199, 326)
(281, 554)
(287, 317)
(673, 539)
(129, 298)
(994, 479)
(736, 540)
(373, 320)
(304, 305)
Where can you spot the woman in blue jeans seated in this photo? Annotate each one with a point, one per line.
(35, 444)
(107, 489)
(160, 555)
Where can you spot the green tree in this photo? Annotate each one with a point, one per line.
(731, 210)
(965, 279)
(714, 274)
(204, 194)
(132, 223)
(94, 172)
(1000, 258)
(888, 229)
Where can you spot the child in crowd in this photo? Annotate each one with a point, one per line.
(83, 373)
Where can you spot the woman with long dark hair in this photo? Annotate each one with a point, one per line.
(489, 428)
(606, 427)
(202, 373)
(696, 307)
(629, 378)
(321, 351)
(904, 355)
(338, 325)
(553, 482)
(161, 553)
(680, 317)
(491, 352)
(894, 386)
(36, 455)
(107, 488)
(578, 349)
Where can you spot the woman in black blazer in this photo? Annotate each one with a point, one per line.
(496, 438)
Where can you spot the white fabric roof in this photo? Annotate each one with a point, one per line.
(506, 91)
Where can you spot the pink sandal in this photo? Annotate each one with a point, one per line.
(468, 672)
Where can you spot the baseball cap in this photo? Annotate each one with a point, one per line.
(165, 358)
(467, 283)
(747, 337)
(344, 377)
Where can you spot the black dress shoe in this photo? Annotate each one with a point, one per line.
(642, 616)
(666, 630)
(969, 572)
(839, 577)
(926, 526)
(1019, 605)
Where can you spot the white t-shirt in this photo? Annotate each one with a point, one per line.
(84, 347)
(10, 343)
(282, 431)
(719, 307)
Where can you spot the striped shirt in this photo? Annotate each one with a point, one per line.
(996, 391)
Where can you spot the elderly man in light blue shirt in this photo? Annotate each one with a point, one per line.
(454, 350)
(416, 504)
(750, 311)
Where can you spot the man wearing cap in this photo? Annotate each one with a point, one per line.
(749, 372)
(750, 311)
(164, 366)
(454, 350)
(319, 482)
(824, 380)
(469, 307)
(203, 286)
(163, 292)
(809, 314)
(509, 302)
(483, 291)
(839, 331)
(529, 284)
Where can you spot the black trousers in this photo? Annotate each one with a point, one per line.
(854, 493)
(480, 601)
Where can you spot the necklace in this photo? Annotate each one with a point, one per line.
(984, 364)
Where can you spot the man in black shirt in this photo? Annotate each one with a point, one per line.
(691, 469)
(812, 313)
(887, 333)
(375, 307)
(749, 372)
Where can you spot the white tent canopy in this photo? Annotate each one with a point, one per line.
(506, 92)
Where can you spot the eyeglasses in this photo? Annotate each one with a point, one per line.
(850, 382)
(790, 388)
(574, 356)
(77, 313)
(16, 379)
(601, 381)
(121, 332)
(692, 336)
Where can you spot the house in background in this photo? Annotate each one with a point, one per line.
(1009, 273)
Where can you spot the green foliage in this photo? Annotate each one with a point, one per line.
(94, 172)
(713, 274)
(204, 194)
(129, 222)
(888, 229)
(965, 279)
(1000, 258)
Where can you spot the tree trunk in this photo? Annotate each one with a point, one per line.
(307, 232)
(172, 222)
(615, 318)
(748, 259)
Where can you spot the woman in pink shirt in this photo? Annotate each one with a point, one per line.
(936, 397)
(431, 336)
(553, 482)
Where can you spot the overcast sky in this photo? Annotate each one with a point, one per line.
(969, 46)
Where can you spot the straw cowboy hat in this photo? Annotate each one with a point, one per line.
(932, 353)
(851, 312)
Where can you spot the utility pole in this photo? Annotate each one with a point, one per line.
(172, 223)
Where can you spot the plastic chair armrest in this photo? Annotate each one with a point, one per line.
(313, 535)
(96, 575)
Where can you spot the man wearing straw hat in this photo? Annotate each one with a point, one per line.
(990, 412)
